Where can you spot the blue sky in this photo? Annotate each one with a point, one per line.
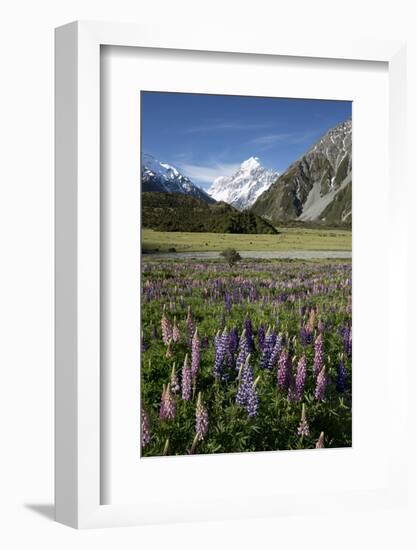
(206, 136)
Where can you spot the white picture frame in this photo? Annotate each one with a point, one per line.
(78, 405)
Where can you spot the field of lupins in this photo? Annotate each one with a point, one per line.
(251, 358)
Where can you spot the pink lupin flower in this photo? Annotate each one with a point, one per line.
(166, 328)
(176, 335)
(303, 427)
(195, 354)
(145, 428)
(300, 377)
(318, 354)
(201, 419)
(321, 385)
(168, 353)
(186, 380)
(190, 326)
(311, 323)
(201, 423)
(175, 387)
(168, 407)
(284, 370)
(320, 441)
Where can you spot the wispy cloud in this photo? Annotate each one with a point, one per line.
(267, 141)
(226, 125)
(206, 174)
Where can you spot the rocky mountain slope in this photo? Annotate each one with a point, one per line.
(243, 188)
(315, 188)
(161, 177)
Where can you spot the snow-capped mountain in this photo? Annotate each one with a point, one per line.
(161, 177)
(243, 188)
(317, 187)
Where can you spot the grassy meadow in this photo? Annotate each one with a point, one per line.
(288, 239)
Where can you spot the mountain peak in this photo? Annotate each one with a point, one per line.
(243, 187)
(250, 164)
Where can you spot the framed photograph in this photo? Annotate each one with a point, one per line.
(228, 212)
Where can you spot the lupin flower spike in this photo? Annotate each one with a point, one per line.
(320, 441)
(303, 427)
(201, 419)
(145, 428)
(321, 385)
(176, 335)
(186, 380)
(175, 387)
(195, 355)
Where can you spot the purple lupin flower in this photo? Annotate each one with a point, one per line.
(176, 335)
(305, 336)
(145, 428)
(261, 337)
(321, 385)
(227, 301)
(247, 395)
(201, 419)
(320, 441)
(228, 356)
(223, 356)
(284, 370)
(318, 355)
(249, 332)
(341, 377)
(300, 378)
(219, 353)
(303, 427)
(269, 343)
(186, 380)
(243, 351)
(276, 350)
(166, 328)
(175, 387)
(233, 340)
(168, 407)
(195, 355)
(347, 341)
(190, 326)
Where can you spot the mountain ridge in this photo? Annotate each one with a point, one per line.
(159, 176)
(317, 187)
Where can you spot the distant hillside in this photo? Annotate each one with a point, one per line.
(179, 212)
(317, 188)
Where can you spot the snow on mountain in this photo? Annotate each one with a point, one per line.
(243, 188)
(162, 177)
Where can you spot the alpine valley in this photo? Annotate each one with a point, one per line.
(315, 190)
